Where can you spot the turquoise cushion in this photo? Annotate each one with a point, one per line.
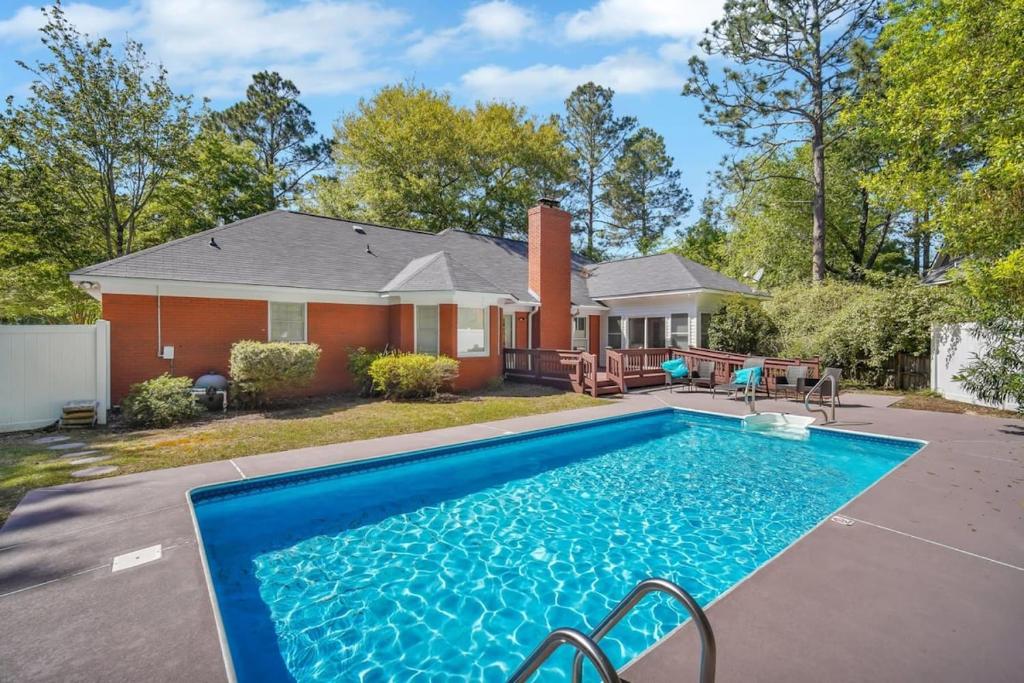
(675, 367)
(743, 376)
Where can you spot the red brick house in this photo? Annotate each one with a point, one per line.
(178, 307)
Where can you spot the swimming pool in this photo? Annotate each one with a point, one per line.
(452, 564)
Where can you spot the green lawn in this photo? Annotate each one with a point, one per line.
(24, 466)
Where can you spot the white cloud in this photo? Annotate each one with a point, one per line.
(214, 46)
(96, 21)
(499, 20)
(492, 23)
(627, 73)
(324, 46)
(619, 19)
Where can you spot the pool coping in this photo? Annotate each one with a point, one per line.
(406, 457)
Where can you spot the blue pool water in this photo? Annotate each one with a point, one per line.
(453, 564)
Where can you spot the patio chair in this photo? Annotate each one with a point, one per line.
(703, 376)
(808, 384)
(733, 387)
(675, 369)
(792, 382)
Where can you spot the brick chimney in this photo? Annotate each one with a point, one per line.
(550, 256)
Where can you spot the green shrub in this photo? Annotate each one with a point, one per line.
(856, 326)
(160, 402)
(413, 375)
(261, 368)
(742, 326)
(359, 361)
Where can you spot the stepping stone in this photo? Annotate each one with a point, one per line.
(86, 461)
(67, 446)
(51, 439)
(78, 454)
(94, 471)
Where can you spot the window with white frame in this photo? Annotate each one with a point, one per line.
(287, 322)
(580, 333)
(472, 332)
(679, 330)
(615, 332)
(427, 330)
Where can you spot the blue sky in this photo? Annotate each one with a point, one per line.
(336, 52)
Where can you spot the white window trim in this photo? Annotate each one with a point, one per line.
(305, 322)
(487, 334)
(416, 328)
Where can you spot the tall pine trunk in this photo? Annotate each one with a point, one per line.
(818, 231)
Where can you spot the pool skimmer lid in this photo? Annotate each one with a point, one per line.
(137, 557)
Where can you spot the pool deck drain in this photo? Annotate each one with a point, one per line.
(925, 585)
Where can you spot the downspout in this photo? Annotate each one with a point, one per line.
(529, 327)
(159, 331)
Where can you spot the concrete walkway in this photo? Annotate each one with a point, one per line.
(927, 584)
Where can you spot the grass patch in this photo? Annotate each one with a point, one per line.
(928, 400)
(316, 423)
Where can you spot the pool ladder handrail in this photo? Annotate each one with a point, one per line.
(585, 647)
(832, 398)
(708, 650)
(750, 394)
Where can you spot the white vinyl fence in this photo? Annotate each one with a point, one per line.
(44, 366)
(953, 347)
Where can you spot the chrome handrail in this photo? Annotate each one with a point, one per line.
(656, 585)
(750, 393)
(585, 646)
(832, 399)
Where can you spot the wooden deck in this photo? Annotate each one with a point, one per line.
(626, 369)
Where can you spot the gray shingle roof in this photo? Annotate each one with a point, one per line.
(658, 273)
(291, 249)
(439, 272)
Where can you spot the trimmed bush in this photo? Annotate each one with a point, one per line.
(359, 361)
(160, 402)
(413, 375)
(261, 368)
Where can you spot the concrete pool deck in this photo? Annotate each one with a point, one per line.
(927, 584)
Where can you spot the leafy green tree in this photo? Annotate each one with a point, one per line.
(643, 193)
(409, 157)
(83, 159)
(794, 76)
(595, 138)
(948, 103)
(219, 182)
(771, 219)
(282, 134)
(100, 135)
(706, 241)
(742, 326)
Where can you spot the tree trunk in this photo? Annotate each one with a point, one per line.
(818, 231)
(917, 248)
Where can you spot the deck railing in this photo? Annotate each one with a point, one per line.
(726, 363)
(541, 365)
(634, 367)
(637, 367)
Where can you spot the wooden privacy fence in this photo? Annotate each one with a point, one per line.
(908, 372)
